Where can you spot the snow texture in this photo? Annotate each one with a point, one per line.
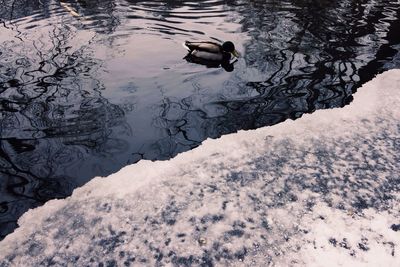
(319, 191)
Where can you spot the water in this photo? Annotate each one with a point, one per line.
(87, 87)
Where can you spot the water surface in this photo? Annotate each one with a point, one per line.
(87, 87)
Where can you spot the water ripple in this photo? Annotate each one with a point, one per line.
(87, 87)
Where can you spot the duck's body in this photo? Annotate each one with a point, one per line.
(210, 47)
(211, 51)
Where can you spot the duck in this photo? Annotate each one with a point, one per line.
(212, 51)
(211, 54)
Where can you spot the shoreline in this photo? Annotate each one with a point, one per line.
(320, 190)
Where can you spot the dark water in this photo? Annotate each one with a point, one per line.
(87, 87)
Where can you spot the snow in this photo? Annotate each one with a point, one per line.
(319, 191)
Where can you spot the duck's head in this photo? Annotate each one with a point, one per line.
(229, 47)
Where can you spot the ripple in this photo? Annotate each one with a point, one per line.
(87, 87)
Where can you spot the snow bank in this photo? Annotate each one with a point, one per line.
(319, 191)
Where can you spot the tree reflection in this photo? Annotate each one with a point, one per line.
(56, 124)
(310, 62)
(52, 116)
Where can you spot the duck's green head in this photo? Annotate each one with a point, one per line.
(229, 47)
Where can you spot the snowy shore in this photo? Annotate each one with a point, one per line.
(323, 190)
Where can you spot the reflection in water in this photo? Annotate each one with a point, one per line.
(227, 65)
(87, 87)
(52, 116)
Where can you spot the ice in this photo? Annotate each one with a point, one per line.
(319, 191)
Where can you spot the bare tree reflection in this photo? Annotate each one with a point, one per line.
(310, 62)
(52, 116)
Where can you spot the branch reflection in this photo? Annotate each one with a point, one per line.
(52, 114)
(88, 86)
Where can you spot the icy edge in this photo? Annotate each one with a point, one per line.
(321, 187)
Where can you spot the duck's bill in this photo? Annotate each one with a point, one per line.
(236, 54)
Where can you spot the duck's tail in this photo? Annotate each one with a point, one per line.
(186, 46)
